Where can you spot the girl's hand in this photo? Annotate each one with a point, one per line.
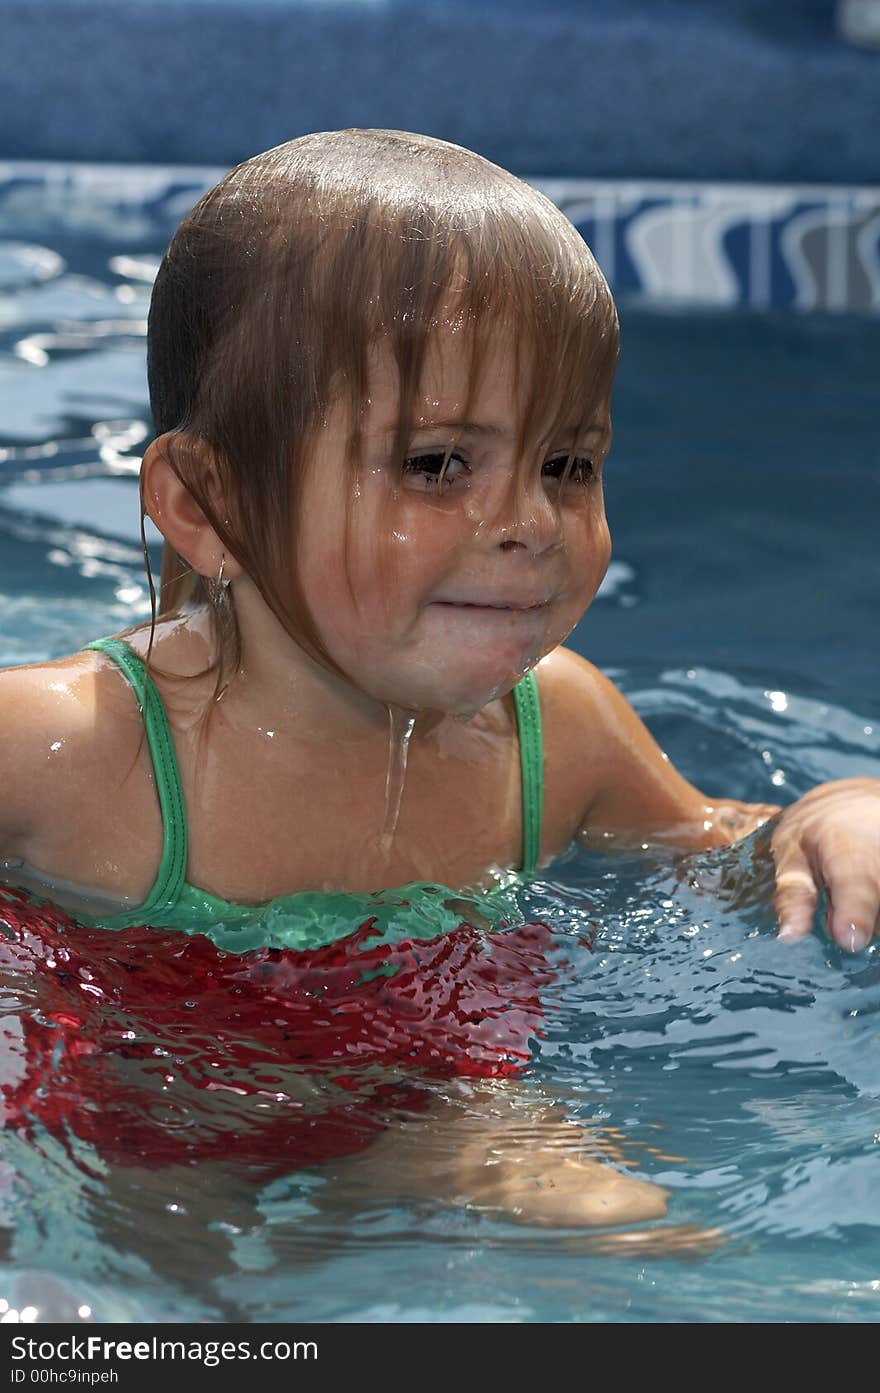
(830, 839)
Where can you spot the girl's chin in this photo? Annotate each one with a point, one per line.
(465, 697)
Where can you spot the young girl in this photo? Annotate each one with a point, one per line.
(380, 373)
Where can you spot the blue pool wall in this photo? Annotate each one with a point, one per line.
(745, 90)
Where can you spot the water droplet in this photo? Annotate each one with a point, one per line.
(400, 728)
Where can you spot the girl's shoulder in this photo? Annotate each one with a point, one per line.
(63, 725)
(578, 701)
(567, 679)
(70, 726)
(59, 698)
(577, 708)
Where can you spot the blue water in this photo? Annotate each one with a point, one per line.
(739, 618)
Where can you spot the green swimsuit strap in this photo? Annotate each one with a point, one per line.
(531, 754)
(172, 868)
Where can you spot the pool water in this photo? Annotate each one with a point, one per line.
(739, 618)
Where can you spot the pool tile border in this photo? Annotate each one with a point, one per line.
(676, 245)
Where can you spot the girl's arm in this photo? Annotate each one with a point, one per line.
(829, 840)
(630, 791)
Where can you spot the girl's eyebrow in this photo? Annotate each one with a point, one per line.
(462, 427)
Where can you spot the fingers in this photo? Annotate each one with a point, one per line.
(828, 841)
(853, 913)
(796, 897)
(854, 901)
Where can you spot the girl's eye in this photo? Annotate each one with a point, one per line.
(426, 471)
(582, 469)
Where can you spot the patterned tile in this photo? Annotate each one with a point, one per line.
(665, 244)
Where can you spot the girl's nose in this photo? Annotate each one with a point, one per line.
(528, 518)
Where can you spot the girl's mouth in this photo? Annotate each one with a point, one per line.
(518, 606)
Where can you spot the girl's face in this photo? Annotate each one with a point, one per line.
(454, 595)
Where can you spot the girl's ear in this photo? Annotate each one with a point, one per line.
(177, 515)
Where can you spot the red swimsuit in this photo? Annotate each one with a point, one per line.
(156, 1048)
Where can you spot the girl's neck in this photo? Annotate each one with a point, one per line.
(279, 682)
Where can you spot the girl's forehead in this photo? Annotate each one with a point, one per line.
(446, 379)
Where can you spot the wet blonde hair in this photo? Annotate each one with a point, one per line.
(277, 284)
